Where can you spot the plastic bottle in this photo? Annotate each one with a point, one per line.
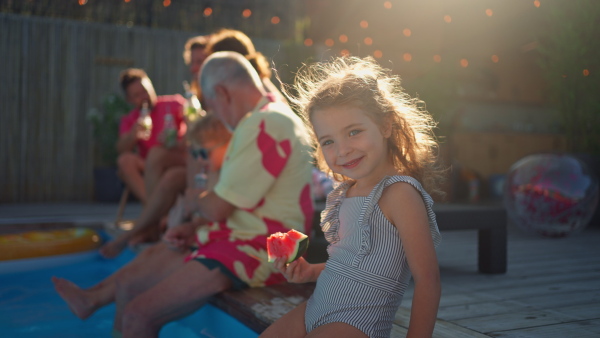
(192, 109)
(169, 131)
(146, 122)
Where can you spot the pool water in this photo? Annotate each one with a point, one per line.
(29, 306)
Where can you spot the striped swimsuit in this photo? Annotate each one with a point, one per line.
(367, 272)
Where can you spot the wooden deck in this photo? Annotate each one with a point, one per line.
(551, 287)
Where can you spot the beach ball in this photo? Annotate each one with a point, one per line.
(551, 195)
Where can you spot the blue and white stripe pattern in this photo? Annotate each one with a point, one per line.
(367, 272)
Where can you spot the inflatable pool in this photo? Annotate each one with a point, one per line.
(29, 306)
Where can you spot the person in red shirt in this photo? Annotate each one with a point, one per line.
(145, 161)
(142, 161)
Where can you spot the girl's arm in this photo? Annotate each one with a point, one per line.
(403, 205)
(299, 271)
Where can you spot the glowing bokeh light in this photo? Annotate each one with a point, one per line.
(275, 20)
(368, 41)
(536, 3)
(437, 58)
(82, 2)
(329, 42)
(345, 52)
(246, 13)
(407, 57)
(495, 58)
(586, 72)
(127, 0)
(387, 4)
(308, 42)
(208, 11)
(377, 54)
(406, 32)
(448, 18)
(167, 3)
(489, 12)
(343, 38)
(464, 63)
(364, 24)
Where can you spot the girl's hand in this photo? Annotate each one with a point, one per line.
(181, 237)
(298, 271)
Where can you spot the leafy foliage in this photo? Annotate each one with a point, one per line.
(105, 126)
(570, 59)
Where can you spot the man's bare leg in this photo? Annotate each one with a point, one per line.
(158, 161)
(178, 295)
(131, 169)
(130, 288)
(84, 302)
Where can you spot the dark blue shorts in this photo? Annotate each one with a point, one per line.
(212, 264)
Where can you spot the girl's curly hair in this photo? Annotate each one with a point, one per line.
(362, 83)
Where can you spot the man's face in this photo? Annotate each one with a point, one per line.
(222, 106)
(141, 91)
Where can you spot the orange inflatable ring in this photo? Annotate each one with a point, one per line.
(47, 243)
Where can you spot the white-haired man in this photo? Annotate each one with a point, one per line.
(264, 187)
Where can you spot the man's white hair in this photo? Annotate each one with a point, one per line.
(228, 69)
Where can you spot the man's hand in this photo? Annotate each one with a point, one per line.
(182, 236)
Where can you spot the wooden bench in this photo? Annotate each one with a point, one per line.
(257, 308)
(489, 220)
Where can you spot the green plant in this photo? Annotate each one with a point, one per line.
(570, 59)
(105, 128)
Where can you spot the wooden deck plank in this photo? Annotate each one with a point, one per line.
(579, 329)
(514, 320)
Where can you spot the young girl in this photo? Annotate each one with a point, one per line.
(379, 223)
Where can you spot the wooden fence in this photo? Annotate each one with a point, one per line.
(52, 72)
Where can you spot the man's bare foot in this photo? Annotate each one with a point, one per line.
(77, 298)
(113, 248)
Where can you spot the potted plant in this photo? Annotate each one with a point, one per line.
(105, 129)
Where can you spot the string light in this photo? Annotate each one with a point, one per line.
(364, 24)
(167, 3)
(387, 4)
(275, 20)
(345, 52)
(343, 38)
(437, 58)
(407, 57)
(82, 2)
(208, 11)
(464, 63)
(536, 3)
(495, 58)
(246, 13)
(586, 72)
(127, 0)
(378, 54)
(448, 18)
(329, 42)
(368, 41)
(489, 12)
(308, 42)
(407, 32)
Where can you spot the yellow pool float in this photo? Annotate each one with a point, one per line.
(35, 244)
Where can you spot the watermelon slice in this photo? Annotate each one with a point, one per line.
(291, 244)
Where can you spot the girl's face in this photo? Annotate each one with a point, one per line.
(213, 152)
(352, 144)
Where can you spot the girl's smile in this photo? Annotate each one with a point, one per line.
(352, 144)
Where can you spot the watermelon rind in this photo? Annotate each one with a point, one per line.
(300, 242)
